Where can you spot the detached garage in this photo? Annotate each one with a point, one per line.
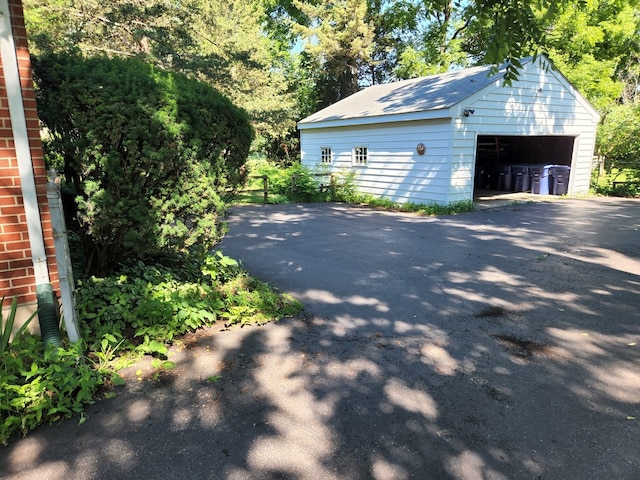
(441, 138)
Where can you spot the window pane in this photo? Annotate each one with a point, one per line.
(360, 155)
(325, 155)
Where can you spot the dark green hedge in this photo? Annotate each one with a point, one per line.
(149, 153)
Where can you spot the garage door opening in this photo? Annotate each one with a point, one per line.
(531, 164)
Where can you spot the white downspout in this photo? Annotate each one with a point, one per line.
(21, 140)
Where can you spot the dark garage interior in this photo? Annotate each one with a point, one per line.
(534, 164)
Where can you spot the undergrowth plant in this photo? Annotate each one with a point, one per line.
(44, 385)
(419, 208)
(139, 310)
(145, 306)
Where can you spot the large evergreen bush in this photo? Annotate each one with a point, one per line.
(149, 154)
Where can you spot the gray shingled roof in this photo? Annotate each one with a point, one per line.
(409, 96)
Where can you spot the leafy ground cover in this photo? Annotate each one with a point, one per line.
(141, 309)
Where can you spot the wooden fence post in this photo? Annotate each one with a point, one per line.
(265, 187)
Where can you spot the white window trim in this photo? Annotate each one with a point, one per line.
(322, 156)
(354, 161)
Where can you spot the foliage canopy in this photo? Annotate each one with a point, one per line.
(282, 60)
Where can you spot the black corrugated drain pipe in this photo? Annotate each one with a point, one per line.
(48, 315)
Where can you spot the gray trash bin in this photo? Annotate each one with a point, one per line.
(521, 178)
(504, 178)
(559, 179)
(536, 173)
(483, 178)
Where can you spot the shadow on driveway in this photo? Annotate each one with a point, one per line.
(501, 344)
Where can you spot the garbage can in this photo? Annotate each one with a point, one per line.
(559, 179)
(504, 178)
(535, 172)
(483, 178)
(521, 178)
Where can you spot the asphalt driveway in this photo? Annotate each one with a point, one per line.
(501, 344)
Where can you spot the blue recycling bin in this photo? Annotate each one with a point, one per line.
(541, 179)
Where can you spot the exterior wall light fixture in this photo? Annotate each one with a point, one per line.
(468, 112)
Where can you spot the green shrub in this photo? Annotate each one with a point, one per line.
(296, 182)
(305, 187)
(149, 153)
(343, 188)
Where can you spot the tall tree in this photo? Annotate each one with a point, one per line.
(593, 48)
(440, 28)
(230, 34)
(340, 38)
(395, 24)
(154, 29)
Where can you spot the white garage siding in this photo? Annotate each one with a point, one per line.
(540, 103)
(391, 120)
(394, 169)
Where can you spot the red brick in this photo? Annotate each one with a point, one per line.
(7, 181)
(24, 263)
(9, 219)
(35, 143)
(14, 228)
(22, 246)
(6, 133)
(30, 104)
(12, 210)
(7, 201)
(12, 237)
(25, 293)
(8, 161)
(22, 281)
(11, 165)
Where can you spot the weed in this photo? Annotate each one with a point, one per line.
(6, 325)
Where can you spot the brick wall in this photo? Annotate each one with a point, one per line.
(16, 268)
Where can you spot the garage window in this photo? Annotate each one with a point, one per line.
(360, 155)
(325, 155)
